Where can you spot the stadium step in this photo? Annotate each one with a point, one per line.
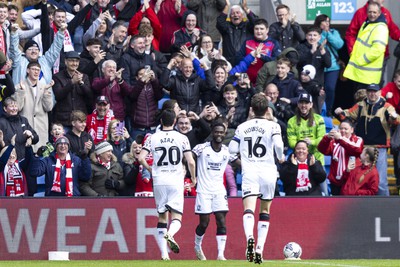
(393, 190)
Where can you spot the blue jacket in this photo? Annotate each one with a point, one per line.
(334, 43)
(81, 171)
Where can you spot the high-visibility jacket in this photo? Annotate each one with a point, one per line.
(366, 60)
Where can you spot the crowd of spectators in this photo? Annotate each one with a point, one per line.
(82, 81)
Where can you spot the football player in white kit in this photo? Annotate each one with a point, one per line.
(168, 148)
(256, 140)
(212, 158)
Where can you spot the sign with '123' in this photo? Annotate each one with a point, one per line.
(335, 9)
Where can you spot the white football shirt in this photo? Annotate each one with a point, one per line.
(257, 139)
(211, 166)
(167, 148)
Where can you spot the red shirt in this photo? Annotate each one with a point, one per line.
(395, 99)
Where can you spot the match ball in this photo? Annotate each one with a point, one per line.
(292, 251)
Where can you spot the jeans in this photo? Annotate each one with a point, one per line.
(331, 78)
(381, 165)
(78, 39)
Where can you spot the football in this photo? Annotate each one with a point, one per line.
(292, 251)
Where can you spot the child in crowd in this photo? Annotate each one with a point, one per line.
(289, 87)
(313, 87)
(362, 179)
(81, 143)
(57, 130)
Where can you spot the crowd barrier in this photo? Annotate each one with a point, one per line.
(124, 228)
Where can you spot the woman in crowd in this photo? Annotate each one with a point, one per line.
(363, 179)
(340, 144)
(301, 174)
(205, 52)
(100, 29)
(107, 174)
(119, 138)
(333, 43)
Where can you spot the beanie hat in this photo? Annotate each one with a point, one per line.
(102, 147)
(29, 44)
(62, 140)
(310, 71)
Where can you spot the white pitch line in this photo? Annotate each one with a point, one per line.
(320, 264)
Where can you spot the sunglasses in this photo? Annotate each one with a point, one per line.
(305, 72)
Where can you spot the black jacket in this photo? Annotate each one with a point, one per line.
(70, 97)
(77, 144)
(11, 125)
(88, 67)
(317, 60)
(234, 36)
(187, 91)
(133, 62)
(288, 175)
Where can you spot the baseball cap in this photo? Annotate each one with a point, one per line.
(29, 44)
(309, 70)
(72, 54)
(305, 97)
(102, 100)
(374, 87)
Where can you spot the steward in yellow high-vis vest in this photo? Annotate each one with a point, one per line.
(366, 60)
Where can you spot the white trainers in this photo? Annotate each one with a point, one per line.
(250, 250)
(172, 243)
(165, 259)
(221, 258)
(200, 254)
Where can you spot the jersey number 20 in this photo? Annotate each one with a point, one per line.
(172, 151)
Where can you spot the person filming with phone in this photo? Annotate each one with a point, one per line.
(341, 144)
(118, 137)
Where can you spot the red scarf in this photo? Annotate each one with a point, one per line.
(68, 177)
(302, 182)
(14, 180)
(107, 165)
(338, 154)
(93, 127)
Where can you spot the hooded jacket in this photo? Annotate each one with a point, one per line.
(182, 37)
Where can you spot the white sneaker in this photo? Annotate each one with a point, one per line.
(200, 254)
(221, 258)
(172, 243)
(165, 258)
